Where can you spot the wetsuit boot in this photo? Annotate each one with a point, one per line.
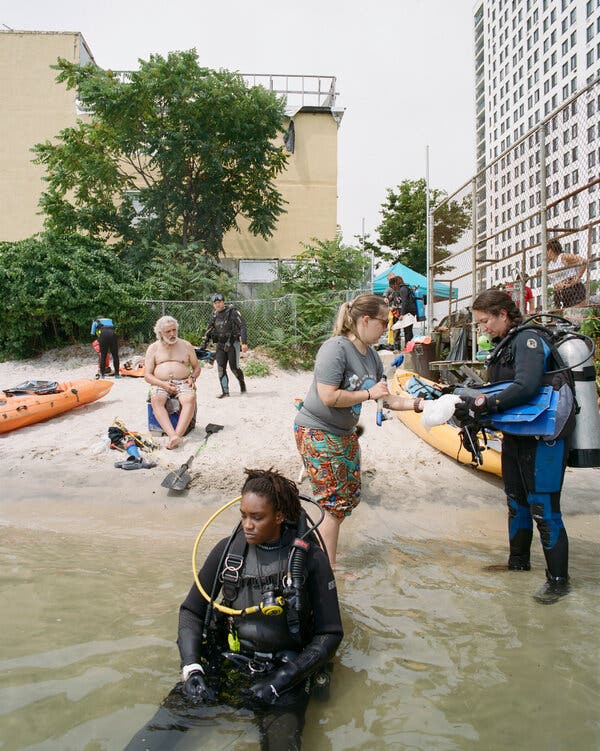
(554, 588)
(242, 384)
(557, 572)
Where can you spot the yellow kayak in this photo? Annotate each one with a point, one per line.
(445, 438)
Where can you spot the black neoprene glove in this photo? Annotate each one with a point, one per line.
(273, 685)
(471, 409)
(195, 688)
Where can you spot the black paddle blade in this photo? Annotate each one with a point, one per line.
(212, 428)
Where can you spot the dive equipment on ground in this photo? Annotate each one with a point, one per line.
(180, 478)
(41, 388)
(205, 355)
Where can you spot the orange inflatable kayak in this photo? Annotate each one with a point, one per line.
(137, 371)
(445, 438)
(19, 410)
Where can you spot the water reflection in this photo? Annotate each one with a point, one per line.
(439, 654)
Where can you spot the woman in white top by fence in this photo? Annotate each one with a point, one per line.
(565, 271)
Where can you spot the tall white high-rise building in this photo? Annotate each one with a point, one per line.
(531, 59)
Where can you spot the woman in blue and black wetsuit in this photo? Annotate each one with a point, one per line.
(532, 468)
(104, 329)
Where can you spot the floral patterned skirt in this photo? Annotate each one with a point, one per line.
(333, 466)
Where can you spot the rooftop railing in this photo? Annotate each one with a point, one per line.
(298, 90)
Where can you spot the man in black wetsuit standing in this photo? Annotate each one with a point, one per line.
(228, 330)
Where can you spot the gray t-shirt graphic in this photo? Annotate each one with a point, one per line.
(339, 363)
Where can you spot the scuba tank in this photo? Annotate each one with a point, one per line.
(577, 354)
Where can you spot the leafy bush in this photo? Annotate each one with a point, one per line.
(591, 327)
(318, 278)
(177, 272)
(256, 368)
(52, 287)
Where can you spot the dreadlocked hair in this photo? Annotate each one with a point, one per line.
(282, 493)
(494, 300)
(350, 312)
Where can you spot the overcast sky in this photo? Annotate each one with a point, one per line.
(404, 71)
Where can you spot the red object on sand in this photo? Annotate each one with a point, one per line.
(96, 346)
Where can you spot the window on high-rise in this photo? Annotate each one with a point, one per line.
(589, 32)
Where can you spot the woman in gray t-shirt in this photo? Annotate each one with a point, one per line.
(348, 372)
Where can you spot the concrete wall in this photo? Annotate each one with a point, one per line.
(33, 108)
(309, 184)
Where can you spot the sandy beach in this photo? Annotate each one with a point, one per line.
(58, 475)
(95, 562)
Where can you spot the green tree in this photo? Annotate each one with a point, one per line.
(178, 272)
(174, 154)
(326, 265)
(404, 226)
(324, 268)
(52, 287)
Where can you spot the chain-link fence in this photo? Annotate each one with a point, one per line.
(544, 187)
(270, 321)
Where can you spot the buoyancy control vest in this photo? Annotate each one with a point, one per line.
(571, 374)
(259, 574)
(226, 326)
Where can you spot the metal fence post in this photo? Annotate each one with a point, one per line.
(473, 265)
(543, 217)
(295, 315)
(430, 277)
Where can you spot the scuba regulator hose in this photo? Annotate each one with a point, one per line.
(295, 560)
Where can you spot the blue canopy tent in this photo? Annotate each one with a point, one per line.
(413, 279)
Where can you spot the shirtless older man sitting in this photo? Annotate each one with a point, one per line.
(171, 367)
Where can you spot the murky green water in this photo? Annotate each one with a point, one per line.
(439, 654)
